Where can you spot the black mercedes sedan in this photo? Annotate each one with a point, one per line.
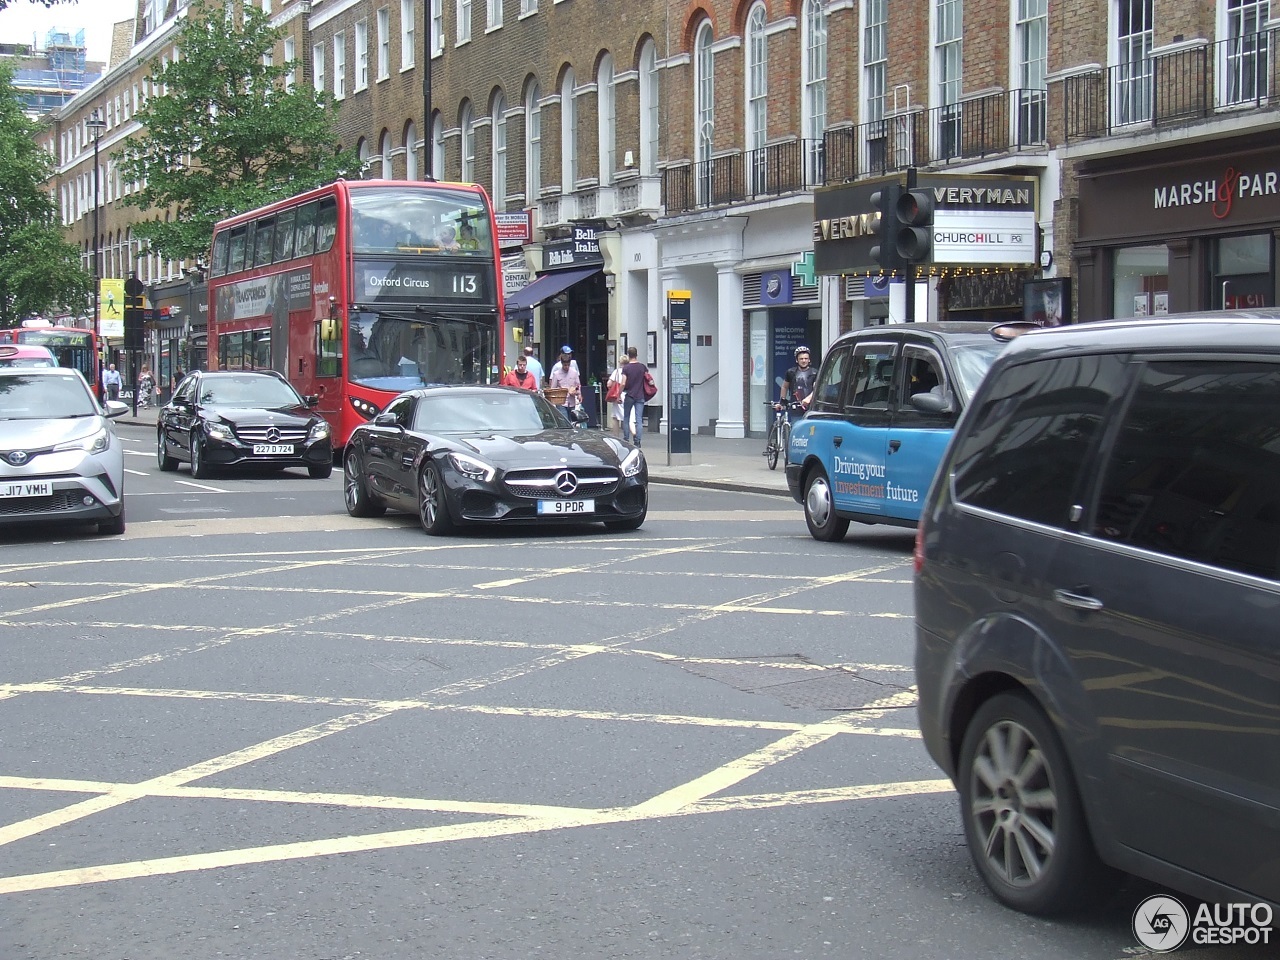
(242, 418)
(479, 454)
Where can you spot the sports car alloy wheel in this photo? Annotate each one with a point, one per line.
(354, 491)
(432, 510)
(166, 463)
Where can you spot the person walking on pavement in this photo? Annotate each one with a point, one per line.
(521, 377)
(535, 365)
(633, 397)
(111, 381)
(565, 374)
(614, 396)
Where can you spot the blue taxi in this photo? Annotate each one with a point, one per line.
(885, 403)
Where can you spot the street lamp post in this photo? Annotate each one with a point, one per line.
(95, 125)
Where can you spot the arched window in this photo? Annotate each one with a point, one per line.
(468, 124)
(813, 104)
(411, 151)
(757, 76)
(384, 148)
(704, 112)
(607, 117)
(649, 128)
(568, 135)
(437, 147)
(362, 151)
(499, 161)
(532, 144)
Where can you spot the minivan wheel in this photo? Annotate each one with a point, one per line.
(820, 509)
(1023, 819)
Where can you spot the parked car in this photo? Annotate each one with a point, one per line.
(885, 403)
(1097, 595)
(490, 455)
(26, 355)
(60, 459)
(250, 418)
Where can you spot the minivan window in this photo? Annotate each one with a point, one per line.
(1031, 435)
(1193, 469)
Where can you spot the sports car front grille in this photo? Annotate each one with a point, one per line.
(541, 484)
(258, 433)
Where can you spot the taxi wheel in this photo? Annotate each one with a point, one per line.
(433, 512)
(820, 509)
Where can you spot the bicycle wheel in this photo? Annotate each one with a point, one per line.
(773, 447)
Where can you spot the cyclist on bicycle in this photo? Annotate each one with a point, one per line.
(797, 385)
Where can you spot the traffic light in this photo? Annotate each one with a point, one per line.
(913, 226)
(884, 205)
(134, 317)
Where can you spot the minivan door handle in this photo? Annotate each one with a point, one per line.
(1077, 600)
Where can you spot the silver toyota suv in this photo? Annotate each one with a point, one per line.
(60, 459)
(1097, 602)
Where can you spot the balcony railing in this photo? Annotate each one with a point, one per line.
(778, 169)
(1175, 87)
(996, 123)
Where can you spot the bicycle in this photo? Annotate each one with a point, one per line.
(779, 431)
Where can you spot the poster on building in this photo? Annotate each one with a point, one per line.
(111, 307)
(1047, 302)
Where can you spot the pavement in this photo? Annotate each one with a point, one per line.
(717, 463)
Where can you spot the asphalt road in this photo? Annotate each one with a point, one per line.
(254, 727)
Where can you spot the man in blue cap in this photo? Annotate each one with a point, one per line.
(565, 374)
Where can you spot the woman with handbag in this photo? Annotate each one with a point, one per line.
(614, 398)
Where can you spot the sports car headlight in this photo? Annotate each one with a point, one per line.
(219, 431)
(633, 463)
(472, 468)
(96, 442)
(318, 431)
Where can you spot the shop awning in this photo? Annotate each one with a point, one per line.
(546, 287)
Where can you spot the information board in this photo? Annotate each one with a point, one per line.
(679, 369)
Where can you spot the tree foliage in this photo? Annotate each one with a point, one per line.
(39, 270)
(225, 135)
(39, 3)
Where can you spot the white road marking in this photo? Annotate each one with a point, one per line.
(202, 486)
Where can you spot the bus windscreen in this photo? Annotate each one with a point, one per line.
(422, 222)
(390, 352)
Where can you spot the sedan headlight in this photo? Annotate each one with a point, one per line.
(472, 468)
(218, 431)
(96, 442)
(633, 463)
(318, 431)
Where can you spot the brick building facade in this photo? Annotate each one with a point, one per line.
(692, 139)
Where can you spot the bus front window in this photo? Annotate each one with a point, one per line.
(388, 352)
(419, 223)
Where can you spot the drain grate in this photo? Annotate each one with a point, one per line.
(796, 681)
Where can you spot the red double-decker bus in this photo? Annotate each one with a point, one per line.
(74, 347)
(359, 290)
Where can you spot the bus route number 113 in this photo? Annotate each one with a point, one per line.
(465, 283)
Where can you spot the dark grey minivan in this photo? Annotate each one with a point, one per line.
(1098, 611)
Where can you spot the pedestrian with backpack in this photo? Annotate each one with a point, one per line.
(635, 378)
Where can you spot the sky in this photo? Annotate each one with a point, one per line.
(23, 19)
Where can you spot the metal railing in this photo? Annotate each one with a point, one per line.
(792, 166)
(996, 123)
(1175, 87)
